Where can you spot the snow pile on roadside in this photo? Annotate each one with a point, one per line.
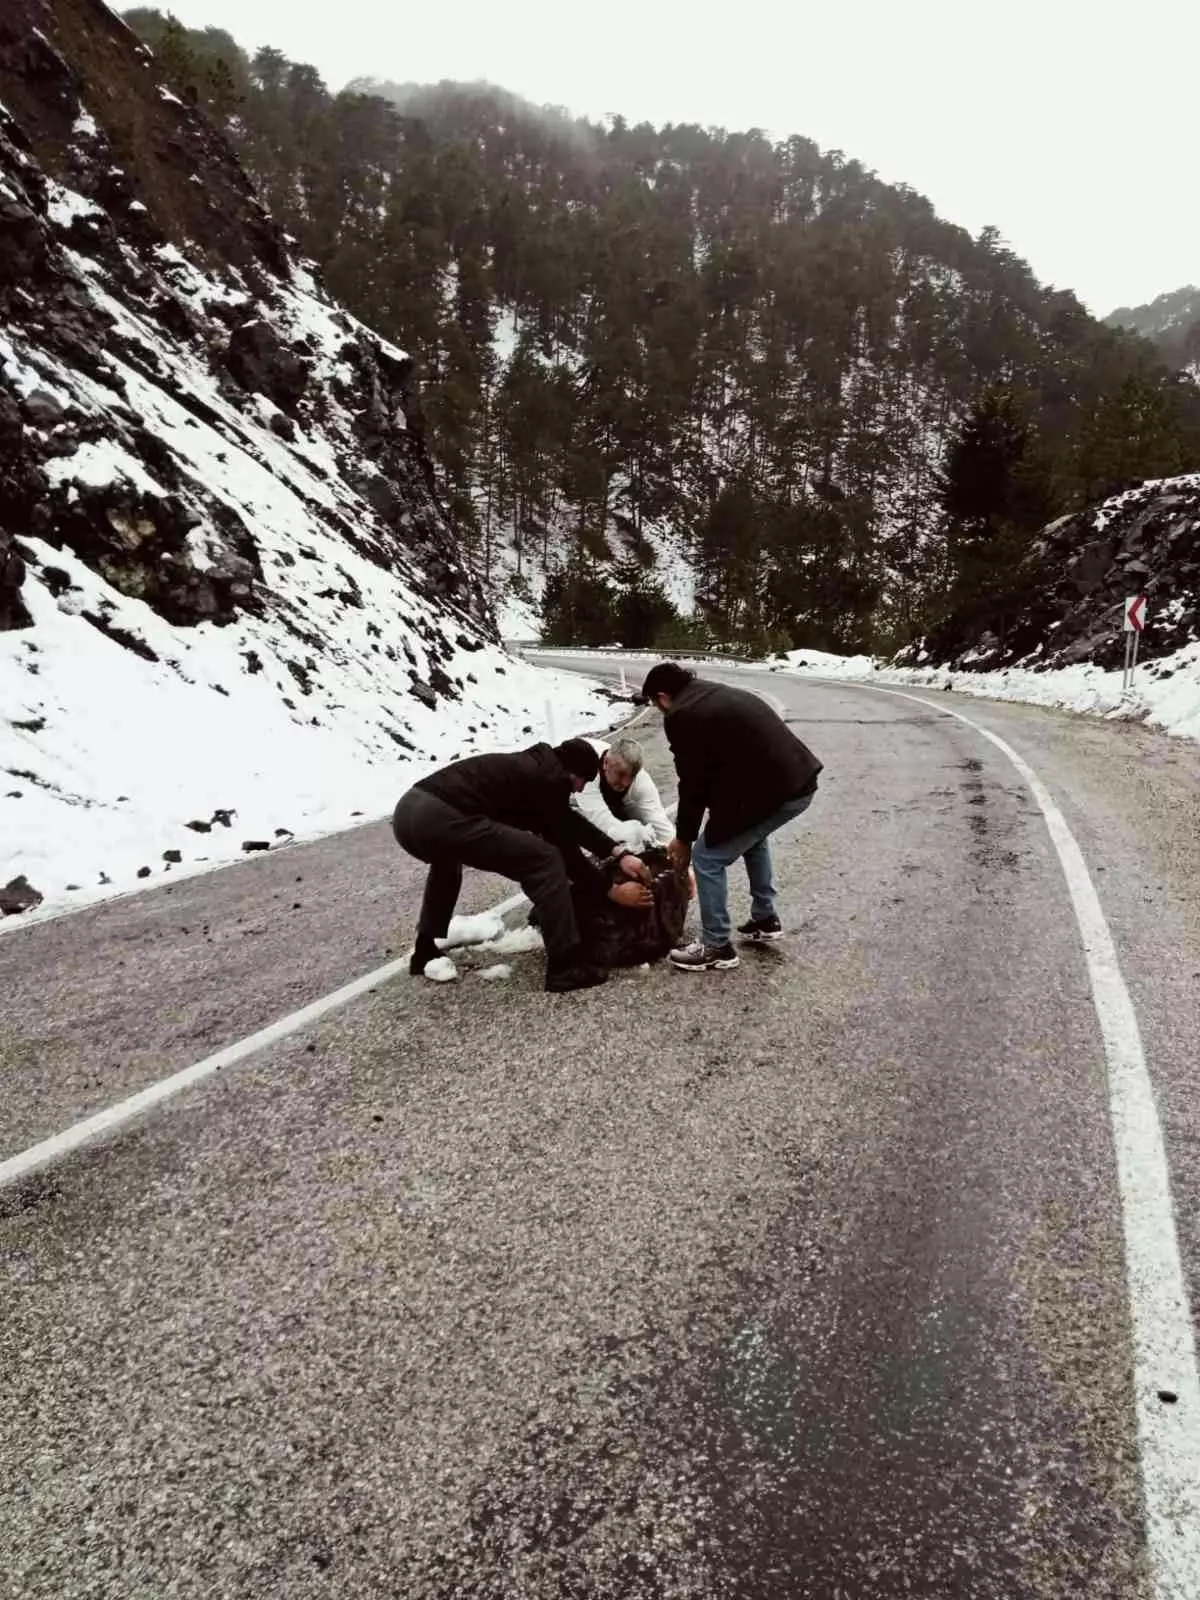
(1165, 695)
(115, 771)
(1166, 692)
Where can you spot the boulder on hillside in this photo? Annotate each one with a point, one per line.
(13, 611)
(18, 895)
(261, 362)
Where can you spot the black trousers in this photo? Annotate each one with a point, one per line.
(429, 829)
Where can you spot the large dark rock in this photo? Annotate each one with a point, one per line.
(13, 611)
(22, 242)
(42, 410)
(1082, 569)
(139, 544)
(17, 896)
(263, 364)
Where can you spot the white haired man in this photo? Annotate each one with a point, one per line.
(623, 801)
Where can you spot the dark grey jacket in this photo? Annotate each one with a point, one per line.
(735, 759)
(529, 789)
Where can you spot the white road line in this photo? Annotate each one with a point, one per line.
(1164, 1344)
(27, 1162)
(116, 1116)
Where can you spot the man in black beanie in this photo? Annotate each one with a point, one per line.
(511, 814)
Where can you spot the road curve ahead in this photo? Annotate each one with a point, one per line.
(807, 1279)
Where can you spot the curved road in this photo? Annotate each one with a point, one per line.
(805, 1280)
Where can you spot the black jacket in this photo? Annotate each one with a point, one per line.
(529, 789)
(735, 758)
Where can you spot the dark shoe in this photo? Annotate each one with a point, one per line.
(424, 951)
(762, 931)
(561, 980)
(705, 958)
(571, 971)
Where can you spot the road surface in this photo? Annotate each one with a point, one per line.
(804, 1280)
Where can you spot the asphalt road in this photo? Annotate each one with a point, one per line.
(804, 1280)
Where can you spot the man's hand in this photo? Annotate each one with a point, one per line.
(680, 855)
(632, 867)
(633, 896)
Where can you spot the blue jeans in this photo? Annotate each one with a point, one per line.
(710, 863)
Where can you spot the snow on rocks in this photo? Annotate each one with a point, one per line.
(496, 974)
(231, 611)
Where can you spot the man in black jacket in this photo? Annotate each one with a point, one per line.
(739, 762)
(511, 814)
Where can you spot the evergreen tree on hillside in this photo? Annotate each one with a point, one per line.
(996, 495)
(751, 346)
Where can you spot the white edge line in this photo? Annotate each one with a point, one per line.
(1164, 1346)
(115, 1116)
(26, 1162)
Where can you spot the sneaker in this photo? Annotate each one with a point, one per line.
(424, 951)
(705, 958)
(762, 930)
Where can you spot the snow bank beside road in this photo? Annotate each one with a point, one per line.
(1166, 692)
(116, 772)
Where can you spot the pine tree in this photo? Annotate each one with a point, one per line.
(753, 345)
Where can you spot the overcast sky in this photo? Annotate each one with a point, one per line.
(1076, 136)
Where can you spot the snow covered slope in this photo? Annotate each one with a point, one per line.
(231, 613)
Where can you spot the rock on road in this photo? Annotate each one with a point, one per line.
(803, 1280)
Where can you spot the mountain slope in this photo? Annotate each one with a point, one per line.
(231, 609)
(650, 349)
(1171, 322)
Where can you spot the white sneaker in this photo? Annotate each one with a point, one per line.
(440, 970)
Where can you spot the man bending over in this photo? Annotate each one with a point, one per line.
(511, 814)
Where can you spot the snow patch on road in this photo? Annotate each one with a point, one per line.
(477, 929)
(514, 943)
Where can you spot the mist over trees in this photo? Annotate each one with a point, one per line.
(643, 345)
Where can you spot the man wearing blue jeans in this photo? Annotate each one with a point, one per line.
(740, 763)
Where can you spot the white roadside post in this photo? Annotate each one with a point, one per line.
(1135, 621)
(624, 685)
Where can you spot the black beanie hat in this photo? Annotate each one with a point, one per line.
(668, 677)
(579, 758)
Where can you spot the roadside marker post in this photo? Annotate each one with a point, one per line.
(1135, 621)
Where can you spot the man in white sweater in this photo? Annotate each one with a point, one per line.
(623, 801)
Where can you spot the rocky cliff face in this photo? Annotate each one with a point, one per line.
(1145, 541)
(127, 244)
(226, 586)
